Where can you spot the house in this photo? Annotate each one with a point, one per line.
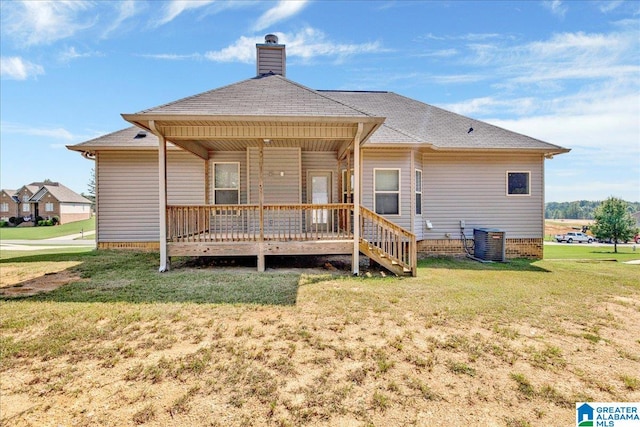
(47, 200)
(8, 205)
(267, 166)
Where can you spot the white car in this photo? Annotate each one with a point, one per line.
(574, 236)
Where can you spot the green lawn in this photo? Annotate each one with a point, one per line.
(589, 252)
(37, 233)
(486, 344)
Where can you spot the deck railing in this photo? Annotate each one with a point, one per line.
(397, 244)
(238, 223)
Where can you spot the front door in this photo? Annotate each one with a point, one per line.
(319, 193)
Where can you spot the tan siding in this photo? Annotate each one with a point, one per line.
(392, 159)
(320, 161)
(128, 192)
(472, 187)
(185, 178)
(230, 157)
(128, 196)
(271, 60)
(277, 188)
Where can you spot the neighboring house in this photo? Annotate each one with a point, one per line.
(8, 205)
(47, 200)
(267, 166)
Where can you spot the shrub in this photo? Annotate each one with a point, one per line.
(40, 223)
(39, 218)
(12, 220)
(55, 220)
(4, 223)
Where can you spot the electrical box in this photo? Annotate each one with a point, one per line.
(462, 224)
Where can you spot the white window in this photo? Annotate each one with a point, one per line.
(518, 183)
(345, 195)
(418, 192)
(226, 183)
(4, 207)
(26, 207)
(48, 207)
(25, 198)
(387, 191)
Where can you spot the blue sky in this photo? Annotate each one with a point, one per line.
(564, 72)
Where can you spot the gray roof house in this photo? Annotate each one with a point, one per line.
(267, 166)
(46, 199)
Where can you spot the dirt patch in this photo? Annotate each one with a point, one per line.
(45, 283)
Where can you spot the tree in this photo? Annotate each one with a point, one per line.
(614, 221)
(91, 186)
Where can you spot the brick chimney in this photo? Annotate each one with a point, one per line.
(271, 57)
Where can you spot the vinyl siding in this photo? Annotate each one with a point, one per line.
(271, 60)
(472, 187)
(127, 192)
(230, 157)
(320, 161)
(389, 159)
(277, 189)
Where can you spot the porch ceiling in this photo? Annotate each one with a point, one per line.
(200, 134)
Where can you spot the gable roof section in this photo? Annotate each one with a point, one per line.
(123, 138)
(411, 121)
(61, 193)
(265, 96)
(277, 99)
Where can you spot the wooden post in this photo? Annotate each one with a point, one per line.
(355, 263)
(261, 264)
(162, 211)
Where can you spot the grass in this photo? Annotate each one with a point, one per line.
(590, 252)
(38, 233)
(195, 345)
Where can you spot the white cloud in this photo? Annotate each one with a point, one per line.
(442, 53)
(172, 56)
(174, 8)
(71, 53)
(56, 133)
(609, 5)
(306, 44)
(16, 68)
(556, 7)
(284, 9)
(32, 23)
(126, 10)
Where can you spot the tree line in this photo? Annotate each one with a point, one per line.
(580, 209)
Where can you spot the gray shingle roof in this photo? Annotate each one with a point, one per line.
(60, 192)
(270, 95)
(411, 121)
(408, 121)
(119, 139)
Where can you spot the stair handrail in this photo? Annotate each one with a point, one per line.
(393, 244)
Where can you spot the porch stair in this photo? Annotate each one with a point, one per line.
(388, 244)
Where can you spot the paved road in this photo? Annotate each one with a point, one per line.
(53, 243)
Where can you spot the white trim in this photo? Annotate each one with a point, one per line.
(399, 192)
(416, 192)
(528, 194)
(213, 181)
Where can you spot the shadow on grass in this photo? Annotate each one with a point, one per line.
(455, 263)
(116, 276)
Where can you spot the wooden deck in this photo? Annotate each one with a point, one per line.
(300, 229)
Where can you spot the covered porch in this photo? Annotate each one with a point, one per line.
(255, 224)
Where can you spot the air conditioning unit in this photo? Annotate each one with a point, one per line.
(489, 244)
